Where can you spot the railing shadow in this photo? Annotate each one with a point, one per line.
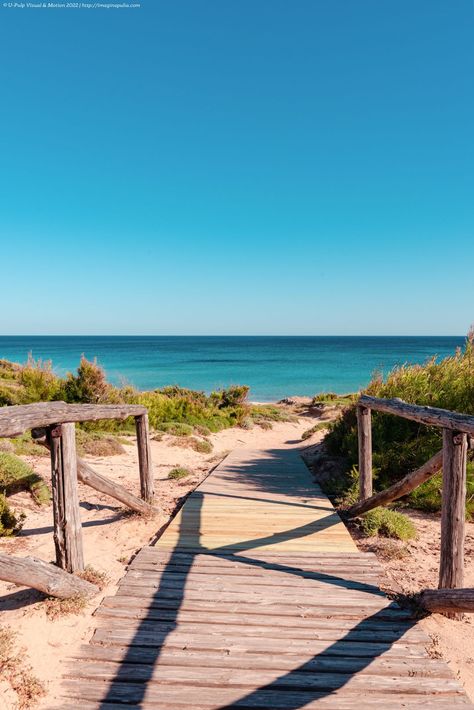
(299, 680)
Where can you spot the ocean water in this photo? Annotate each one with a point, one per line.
(274, 367)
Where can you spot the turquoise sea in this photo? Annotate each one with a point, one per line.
(274, 367)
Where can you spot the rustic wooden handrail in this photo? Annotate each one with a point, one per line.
(19, 418)
(433, 416)
(457, 430)
(54, 423)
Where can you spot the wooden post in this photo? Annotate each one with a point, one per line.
(364, 426)
(147, 490)
(31, 572)
(67, 521)
(453, 512)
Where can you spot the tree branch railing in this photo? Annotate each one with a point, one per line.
(450, 597)
(53, 425)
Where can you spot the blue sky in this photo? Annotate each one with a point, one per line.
(250, 167)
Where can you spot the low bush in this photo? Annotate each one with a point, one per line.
(387, 523)
(10, 523)
(96, 443)
(176, 428)
(178, 473)
(16, 475)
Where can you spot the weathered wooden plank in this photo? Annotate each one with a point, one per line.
(446, 601)
(364, 429)
(422, 414)
(164, 698)
(67, 520)
(209, 676)
(262, 608)
(17, 419)
(47, 578)
(453, 510)
(147, 483)
(389, 662)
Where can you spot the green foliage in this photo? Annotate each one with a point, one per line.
(176, 428)
(179, 472)
(24, 445)
(387, 523)
(16, 475)
(88, 386)
(271, 413)
(333, 399)
(202, 446)
(399, 445)
(10, 524)
(230, 397)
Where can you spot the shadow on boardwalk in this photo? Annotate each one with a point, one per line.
(300, 695)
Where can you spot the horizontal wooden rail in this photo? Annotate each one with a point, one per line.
(47, 578)
(448, 601)
(399, 489)
(19, 418)
(417, 413)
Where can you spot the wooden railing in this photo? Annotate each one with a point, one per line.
(457, 432)
(53, 425)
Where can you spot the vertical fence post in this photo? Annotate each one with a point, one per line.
(67, 521)
(147, 490)
(453, 511)
(364, 428)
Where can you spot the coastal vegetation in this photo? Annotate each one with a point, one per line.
(400, 445)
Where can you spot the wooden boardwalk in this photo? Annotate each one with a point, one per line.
(256, 597)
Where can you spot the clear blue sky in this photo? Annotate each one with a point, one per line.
(238, 166)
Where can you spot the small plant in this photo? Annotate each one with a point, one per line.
(178, 473)
(176, 428)
(89, 385)
(25, 446)
(56, 608)
(202, 446)
(97, 443)
(202, 430)
(247, 423)
(94, 576)
(10, 523)
(387, 523)
(16, 475)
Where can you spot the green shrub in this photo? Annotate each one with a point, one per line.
(176, 428)
(15, 475)
(387, 523)
(24, 445)
(89, 386)
(202, 446)
(38, 382)
(230, 397)
(97, 443)
(247, 423)
(10, 524)
(202, 430)
(179, 472)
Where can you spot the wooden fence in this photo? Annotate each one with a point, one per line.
(450, 597)
(53, 425)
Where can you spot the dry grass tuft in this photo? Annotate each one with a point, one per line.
(56, 608)
(94, 576)
(16, 673)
